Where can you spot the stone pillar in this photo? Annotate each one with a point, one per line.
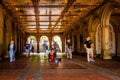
(8, 34)
(63, 44)
(1, 33)
(65, 41)
(78, 43)
(118, 44)
(38, 39)
(9, 27)
(50, 40)
(18, 41)
(105, 42)
(21, 42)
(15, 36)
(73, 43)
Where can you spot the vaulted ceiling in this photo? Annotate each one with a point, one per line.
(49, 16)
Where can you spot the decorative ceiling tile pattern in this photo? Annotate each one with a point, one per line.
(49, 16)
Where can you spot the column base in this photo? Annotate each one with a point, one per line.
(107, 54)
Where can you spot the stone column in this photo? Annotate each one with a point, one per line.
(15, 36)
(118, 44)
(21, 42)
(1, 34)
(65, 41)
(78, 43)
(18, 41)
(50, 40)
(63, 44)
(72, 43)
(38, 39)
(9, 27)
(8, 34)
(105, 42)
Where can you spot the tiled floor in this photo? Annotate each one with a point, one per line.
(36, 67)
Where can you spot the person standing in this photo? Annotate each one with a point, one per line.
(55, 45)
(27, 49)
(88, 45)
(45, 48)
(11, 49)
(55, 48)
(69, 49)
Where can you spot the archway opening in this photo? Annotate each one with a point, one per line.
(57, 40)
(43, 39)
(33, 42)
(111, 40)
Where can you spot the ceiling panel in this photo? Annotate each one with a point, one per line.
(49, 16)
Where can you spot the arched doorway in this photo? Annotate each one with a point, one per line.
(108, 28)
(42, 40)
(111, 38)
(98, 40)
(57, 40)
(33, 42)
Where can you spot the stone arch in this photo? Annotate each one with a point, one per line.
(116, 26)
(84, 31)
(32, 41)
(43, 38)
(99, 38)
(107, 13)
(105, 23)
(109, 7)
(58, 42)
(90, 23)
(93, 24)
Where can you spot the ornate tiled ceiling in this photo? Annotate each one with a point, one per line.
(49, 16)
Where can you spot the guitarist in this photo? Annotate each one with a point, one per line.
(52, 52)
